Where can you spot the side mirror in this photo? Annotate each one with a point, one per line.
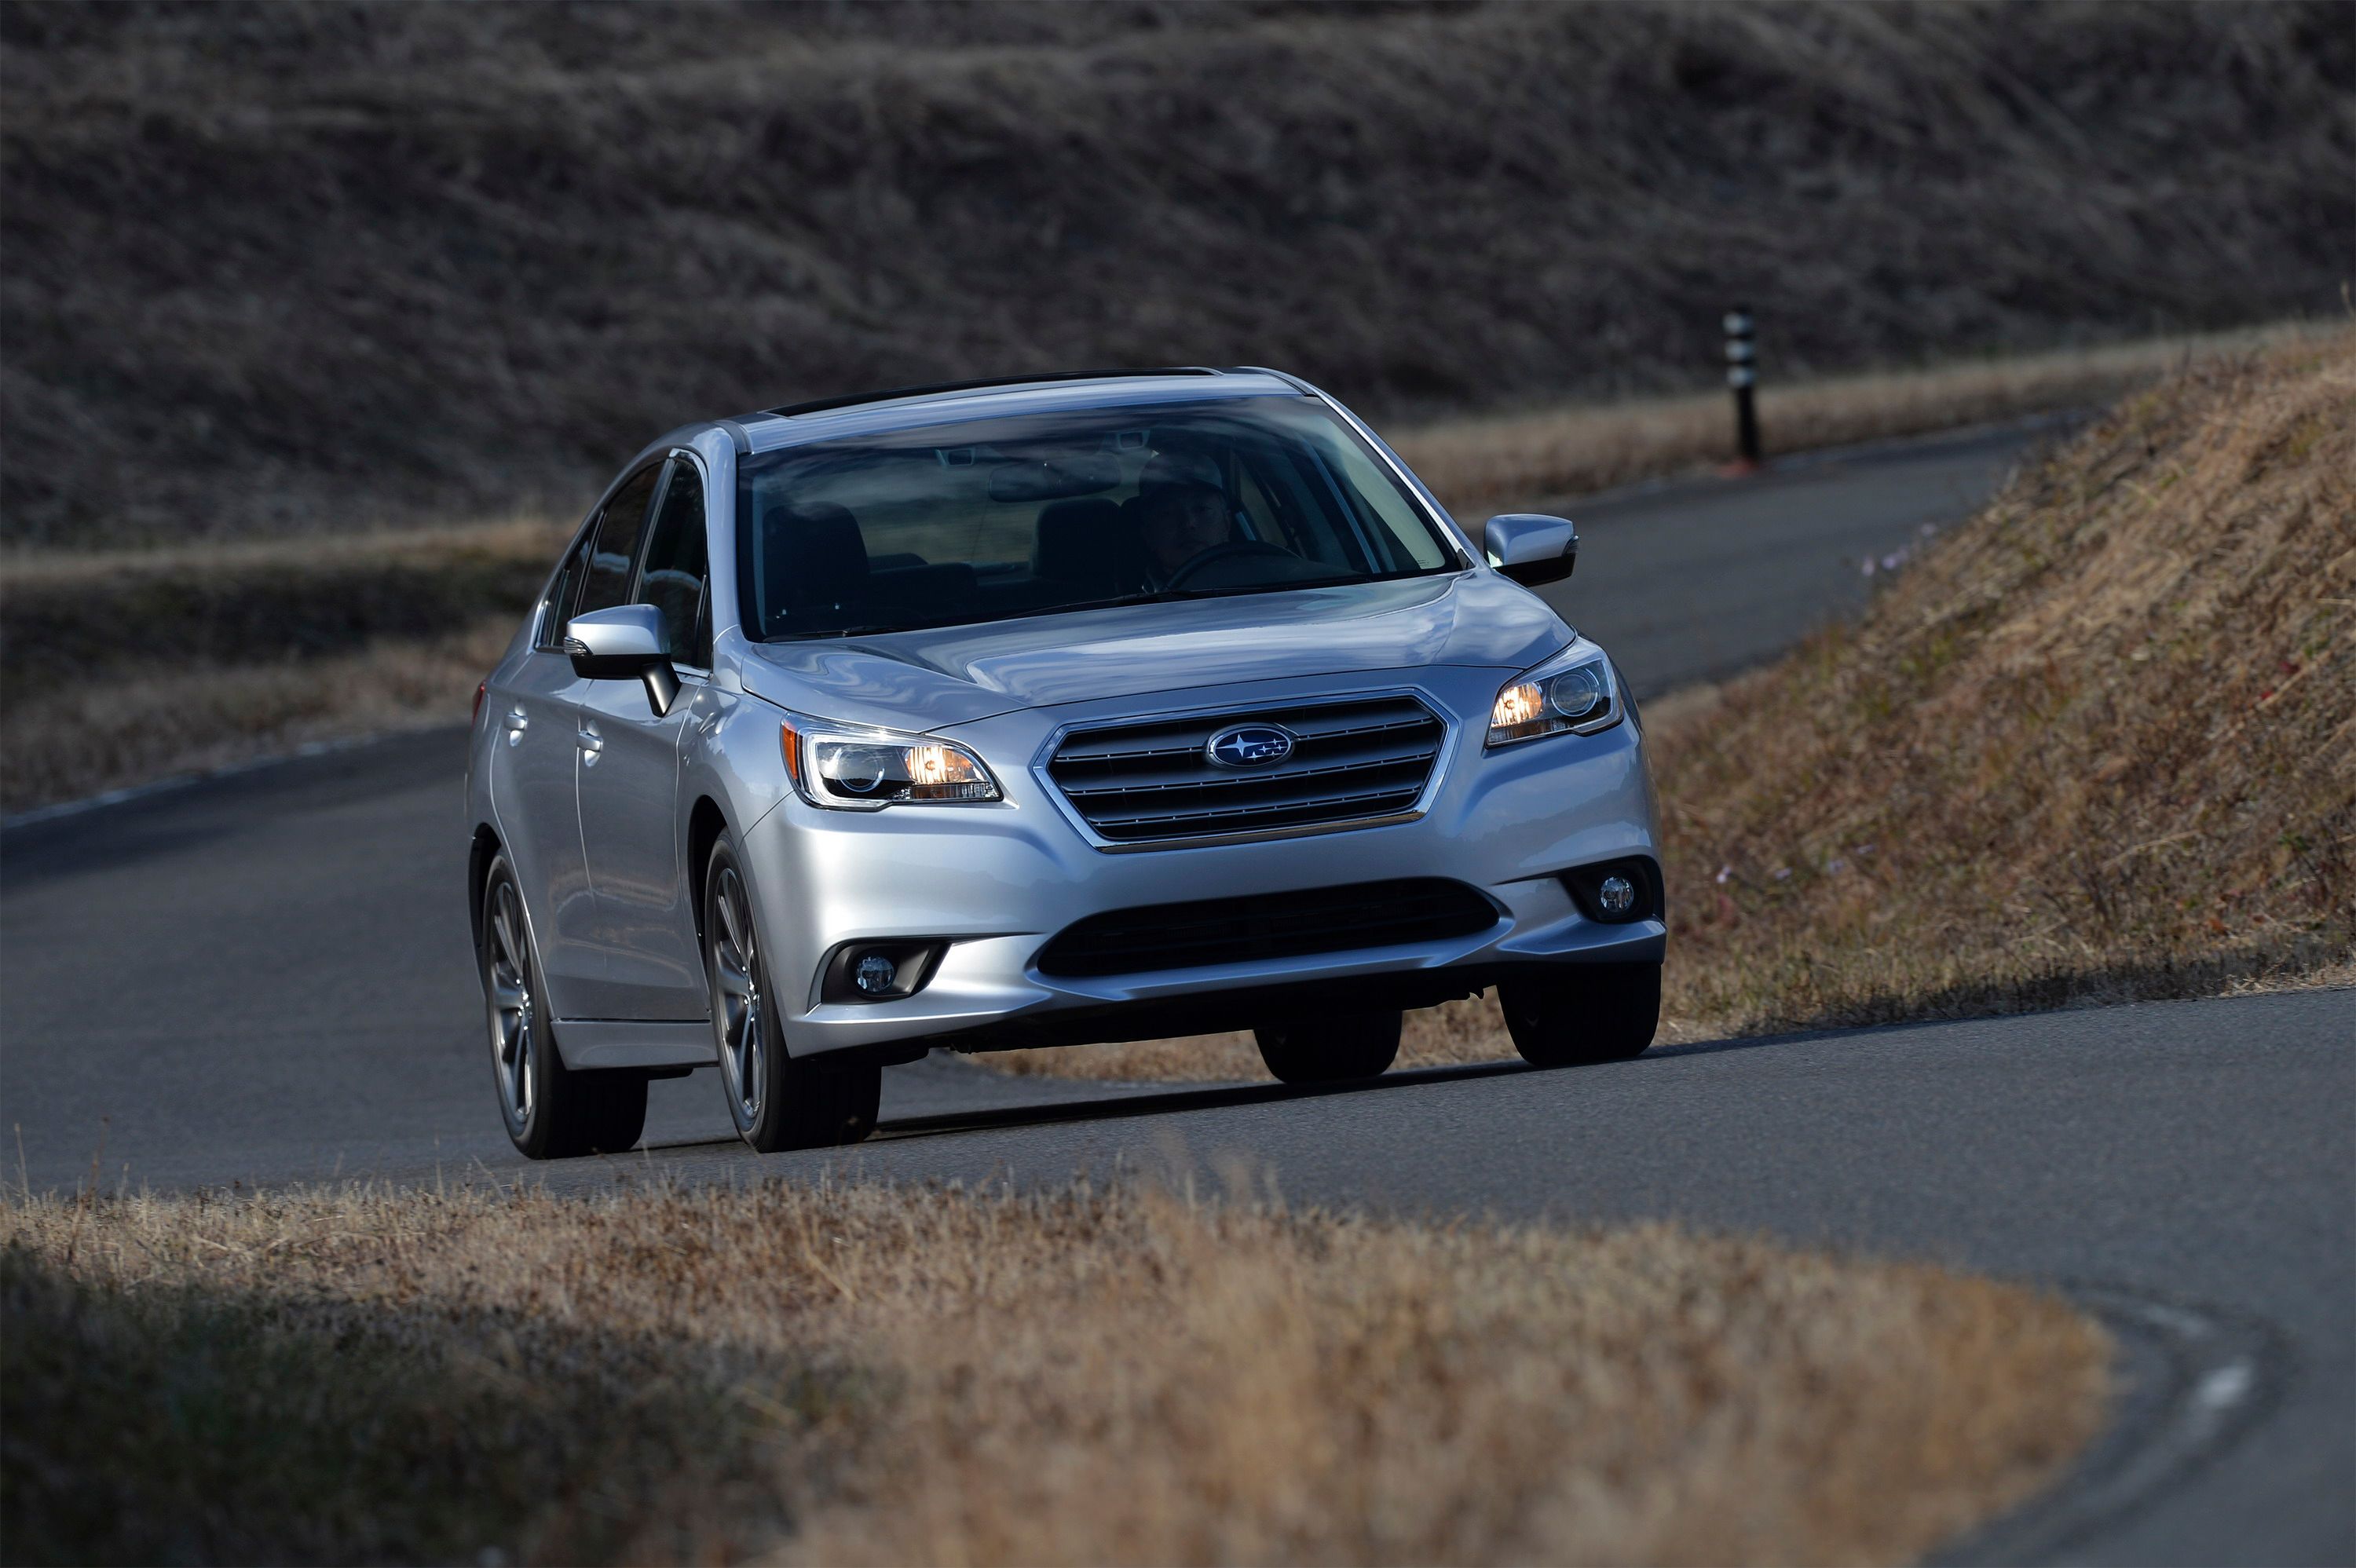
(627, 642)
(1530, 548)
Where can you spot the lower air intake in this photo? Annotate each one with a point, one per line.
(1157, 937)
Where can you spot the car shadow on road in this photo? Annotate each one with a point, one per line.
(1136, 1100)
(1132, 1102)
(1129, 1100)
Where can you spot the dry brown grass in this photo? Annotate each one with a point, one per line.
(2098, 745)
(1475, 463)
(318, 560)
(71, 739)
(130, 665)
(878, 1375)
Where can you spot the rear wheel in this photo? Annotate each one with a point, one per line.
(1583, 1013)
(550, 1112)
(1331, 1050)
(776, 1101)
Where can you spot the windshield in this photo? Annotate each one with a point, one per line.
(984, 520)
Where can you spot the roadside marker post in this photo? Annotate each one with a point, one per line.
(1743, 376)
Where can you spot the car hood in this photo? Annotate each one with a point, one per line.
(954, 675)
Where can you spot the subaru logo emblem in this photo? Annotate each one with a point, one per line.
(1249, 746)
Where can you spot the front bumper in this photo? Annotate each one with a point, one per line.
(997, 881)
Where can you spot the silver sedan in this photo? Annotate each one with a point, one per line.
(1033, 713)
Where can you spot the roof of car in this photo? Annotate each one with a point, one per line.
(911, 406)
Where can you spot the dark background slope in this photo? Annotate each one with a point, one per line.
(326, 266)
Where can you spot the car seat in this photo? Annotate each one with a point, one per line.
(1092, 545)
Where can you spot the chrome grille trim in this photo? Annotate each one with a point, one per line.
(1359, 760)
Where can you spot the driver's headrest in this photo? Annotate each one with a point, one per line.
(1171, 499)
(816, 553)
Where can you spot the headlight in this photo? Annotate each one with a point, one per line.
(864, 769)
(1572, 693)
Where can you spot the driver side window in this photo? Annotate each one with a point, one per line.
(672, 579)
(563, 591)
(614, 543)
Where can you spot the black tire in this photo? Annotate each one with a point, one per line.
(1583, 1014)
(550, 1112)
(776, 1101)
(1331, 1050)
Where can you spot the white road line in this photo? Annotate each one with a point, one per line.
(2188, 1383)
(182, 781)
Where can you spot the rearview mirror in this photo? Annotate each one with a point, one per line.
(1054, 478)
(1531, 548)
(627, 642)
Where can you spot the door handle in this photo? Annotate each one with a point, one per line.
(591, 741)
(518, 721)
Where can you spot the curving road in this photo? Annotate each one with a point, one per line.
(263, 978)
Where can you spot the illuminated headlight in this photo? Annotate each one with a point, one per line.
(860, 772)
(1572, 693)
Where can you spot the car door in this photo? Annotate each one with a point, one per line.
(547, 755)
(629, 779)
(535, 709)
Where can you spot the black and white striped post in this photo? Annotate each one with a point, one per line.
(1743, 376)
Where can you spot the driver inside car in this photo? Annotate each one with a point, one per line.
(1182, 521)
(1182, 512)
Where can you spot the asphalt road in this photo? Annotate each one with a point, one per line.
(1688, 582)
(265, 977)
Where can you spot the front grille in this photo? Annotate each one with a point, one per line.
(1277, 925)
(1155, 781)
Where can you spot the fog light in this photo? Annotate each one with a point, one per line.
(1616, 894)
(875, 974)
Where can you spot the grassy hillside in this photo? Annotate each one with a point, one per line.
(309, 267)
(2098, 743)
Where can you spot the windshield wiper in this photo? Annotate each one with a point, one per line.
(1143, 596)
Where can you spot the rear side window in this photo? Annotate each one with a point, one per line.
(673, 579)
(616, 542)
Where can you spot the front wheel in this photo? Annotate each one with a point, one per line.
(777, 1102)
(1331, 1050)
(550, 1112)
(1583, 1014)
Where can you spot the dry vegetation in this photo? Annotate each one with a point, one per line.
(82, 738)
(335, 270)
(129, 665)
(2099, 744)
(1484, 461)
(328, 267)
(134, 665)
(872, 1375)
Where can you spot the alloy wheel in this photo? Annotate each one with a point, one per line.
(514, 1025)
(736, 997)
